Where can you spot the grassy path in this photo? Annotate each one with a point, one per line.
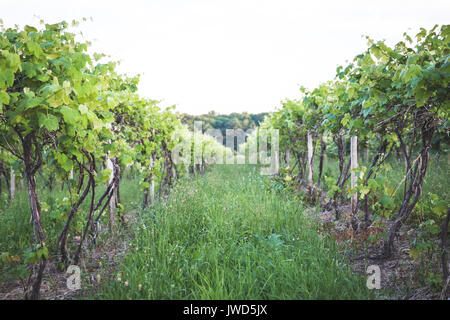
(224, 235)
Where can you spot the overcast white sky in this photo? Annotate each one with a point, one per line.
(231, 55)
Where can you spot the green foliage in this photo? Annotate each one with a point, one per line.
(244, 121)
(395, 100)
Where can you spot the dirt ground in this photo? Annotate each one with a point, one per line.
(54, 283)
(400, 274)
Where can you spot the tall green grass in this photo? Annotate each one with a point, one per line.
(224, 235)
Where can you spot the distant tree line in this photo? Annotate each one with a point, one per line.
(234, 120)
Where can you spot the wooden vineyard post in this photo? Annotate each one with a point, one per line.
(275, 157)
(13, 184)
(152, 166)
(174, 173)
(22, 186)
(277, 161)
(288, 157)
(354, 165)
(152, 182)
(310, 164)
(112, 201)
